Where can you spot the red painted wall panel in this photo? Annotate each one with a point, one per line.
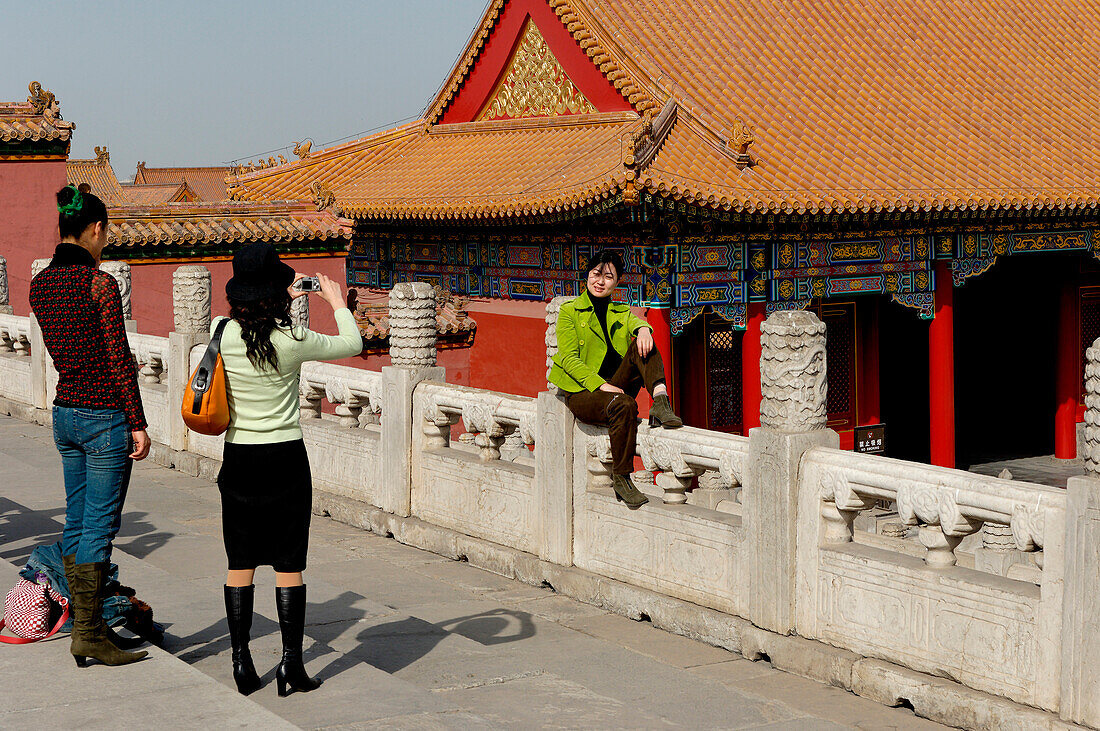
(28, 220)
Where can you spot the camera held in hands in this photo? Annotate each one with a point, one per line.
(308, 284)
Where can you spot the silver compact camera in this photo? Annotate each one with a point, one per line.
(308, 284)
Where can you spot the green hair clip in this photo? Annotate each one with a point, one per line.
(72, 207)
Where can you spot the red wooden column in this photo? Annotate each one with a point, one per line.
(660, 322)
(1065, 416)
(750, 367)
(941, 370)
(870, 404)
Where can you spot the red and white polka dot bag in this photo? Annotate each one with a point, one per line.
(33, 612)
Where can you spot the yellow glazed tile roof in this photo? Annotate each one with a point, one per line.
(773, 105)
(36, 120)
(200, 224)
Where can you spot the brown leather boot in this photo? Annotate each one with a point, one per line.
(626, 492)
(662, 413)
(89, 637)
(122, 643)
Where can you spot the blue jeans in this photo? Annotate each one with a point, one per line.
(95, 457)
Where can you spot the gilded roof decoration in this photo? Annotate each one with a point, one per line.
(301, 149)
(535, 84)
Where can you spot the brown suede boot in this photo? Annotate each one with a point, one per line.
(122, 643)
(89, 637)
(626, 492)
(661, 413)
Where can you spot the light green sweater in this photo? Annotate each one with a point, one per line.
(263, 405)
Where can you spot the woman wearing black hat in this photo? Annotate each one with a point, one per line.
(265, 480)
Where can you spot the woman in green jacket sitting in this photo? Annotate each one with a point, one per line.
(601, 381)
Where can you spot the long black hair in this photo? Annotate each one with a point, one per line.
(77, 209)
(258, 318)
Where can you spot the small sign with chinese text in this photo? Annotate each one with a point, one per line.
(871, 439)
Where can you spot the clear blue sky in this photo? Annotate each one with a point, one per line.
(199, 82)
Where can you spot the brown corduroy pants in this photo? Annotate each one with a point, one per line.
(619, 411)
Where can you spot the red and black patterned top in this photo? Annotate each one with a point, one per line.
(79, 310)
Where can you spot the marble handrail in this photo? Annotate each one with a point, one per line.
(489, 415)
(948, 504)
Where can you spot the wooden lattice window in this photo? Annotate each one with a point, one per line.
(723, 375)
(1089, 329)
(840, 355)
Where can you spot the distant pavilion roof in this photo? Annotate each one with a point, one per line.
(737, 105)
(208, 183)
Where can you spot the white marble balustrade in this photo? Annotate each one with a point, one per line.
(947, 504)
(356, 393)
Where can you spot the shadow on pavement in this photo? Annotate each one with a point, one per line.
(28, 529)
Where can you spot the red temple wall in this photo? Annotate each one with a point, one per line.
(28, 213)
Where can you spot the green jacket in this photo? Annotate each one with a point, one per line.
(581, 345)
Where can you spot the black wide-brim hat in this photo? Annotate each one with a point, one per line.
(258, 273)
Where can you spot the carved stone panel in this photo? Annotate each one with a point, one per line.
(5, 304)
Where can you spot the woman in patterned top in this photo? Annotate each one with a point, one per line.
(98, 421)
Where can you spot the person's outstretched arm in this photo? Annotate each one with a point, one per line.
(347, 343)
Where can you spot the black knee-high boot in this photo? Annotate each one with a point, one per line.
(291, 603)
(238, 612)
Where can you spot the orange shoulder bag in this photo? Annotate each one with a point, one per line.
(205, 406)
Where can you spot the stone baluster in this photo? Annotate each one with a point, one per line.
(348, 412)
(120, 270)
(151, 368)
(191, 310)
(309, 401)
(793, 420)
(413, 327)
(413, 333)
(6, 341)
(5, 303)
(20, 345)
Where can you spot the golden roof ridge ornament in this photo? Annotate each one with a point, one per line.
(301, 149)
(102, 156)
(322, 195)
(45, 103)
(740, 138)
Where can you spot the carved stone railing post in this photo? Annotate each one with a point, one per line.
(191, 303)
(1081, 622)
(793, 419)
(554, 458)
(5, 302)
(413, 333)
(299, 311)
(120, 270)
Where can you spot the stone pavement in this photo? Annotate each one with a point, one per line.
(402, 638)
(1045, 470)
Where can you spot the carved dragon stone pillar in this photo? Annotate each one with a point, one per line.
(120, 270)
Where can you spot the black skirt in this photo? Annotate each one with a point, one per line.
(267, 502)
